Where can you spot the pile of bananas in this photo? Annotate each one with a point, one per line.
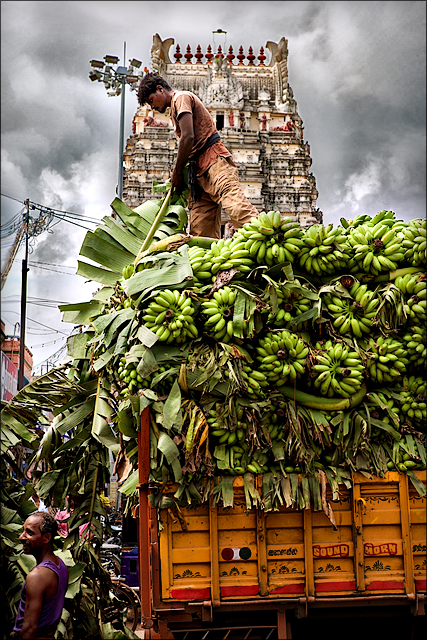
(290, 305)
(338, 370)
(282, 356)
(375, 246)
(218, 312)
(414, 287)
(414, 242)
(271, 239)
(415, 340)
(353, 314)
(413, 394)
(170, 316)
(387, 358)
(322, 253)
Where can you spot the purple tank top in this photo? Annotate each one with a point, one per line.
(51, 609)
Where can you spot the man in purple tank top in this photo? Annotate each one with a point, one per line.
(43, 592)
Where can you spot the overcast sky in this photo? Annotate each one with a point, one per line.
(357, 70)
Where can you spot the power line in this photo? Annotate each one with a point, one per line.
(46, 209)
(50, 264)
(36, 321)
(65, 273)
(11, 198)
(16, 296)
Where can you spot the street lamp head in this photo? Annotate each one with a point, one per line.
(97, 63)
(135, 63)
(95, 75)
(111, 59)
(131, 79)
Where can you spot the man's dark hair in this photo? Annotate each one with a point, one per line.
(48, 524)
(149, 84)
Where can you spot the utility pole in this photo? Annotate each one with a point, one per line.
(23, 301)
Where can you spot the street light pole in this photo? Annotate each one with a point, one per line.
(115, 80)
(23, 303)
(122, 129)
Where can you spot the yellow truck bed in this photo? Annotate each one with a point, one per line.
(379, 547)
(214, 556)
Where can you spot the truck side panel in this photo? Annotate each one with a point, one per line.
(221, 554)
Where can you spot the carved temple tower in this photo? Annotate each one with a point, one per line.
(256, 114)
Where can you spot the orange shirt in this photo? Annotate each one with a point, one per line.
(204, 127)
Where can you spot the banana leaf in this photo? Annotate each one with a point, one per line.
(81, 312)
(129, 487)
(77, 345)
(98, 274)
(170, 276)
(418, 484)
(172, 408)
(122, 236)
(105, 252)
(224, 490)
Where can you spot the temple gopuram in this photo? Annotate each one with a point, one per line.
(253, 106)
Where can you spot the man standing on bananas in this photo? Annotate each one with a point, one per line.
(212, 175)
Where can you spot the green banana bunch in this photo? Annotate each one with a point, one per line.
(415, 340)
(387, 358)
(406, 460)
(170, 316)
(355, 222)
(240, 257)
(130, 378)
(218, 311)
(414, 242)
(283, 355)
(128, 271)
(352, 315)
(271, 239)
(221, 253)
(338, 370)
(375, 247)
(256, 381)
(322, 253)
(414, 286)
(273, 422)
(413, 408)
(291, 305)
(235, 453)
(201, 264)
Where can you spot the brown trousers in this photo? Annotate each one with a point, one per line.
(220, 189)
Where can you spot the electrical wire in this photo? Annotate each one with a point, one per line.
(51, 264)
(36, 321)
(65, 273)
(10, 197)
(41, 207)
